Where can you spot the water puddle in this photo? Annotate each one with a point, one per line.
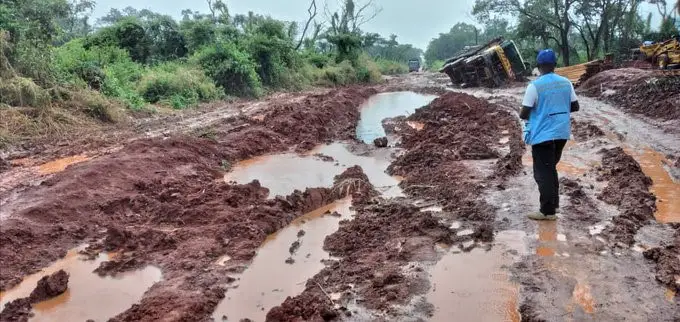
(270, 279)
(285, 173)
(387, 105)
(61, 164)
(666, 190)
(475, 286)
(547, 238)
(88, 296)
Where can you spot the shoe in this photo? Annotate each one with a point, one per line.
(540, 216)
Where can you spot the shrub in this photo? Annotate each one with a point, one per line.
(177, 85)
(20, 91)
(389, 67)
(367, 71)
(95, 105)
(230, 68)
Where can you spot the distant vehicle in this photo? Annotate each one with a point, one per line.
(414, 65)
(490, 65)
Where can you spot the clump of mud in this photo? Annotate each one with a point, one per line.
(380, 142)
(652, 93)
(4, 165)
(48, 287)
(627, 188)
(667, 261)
(581, 208)
(584, 131)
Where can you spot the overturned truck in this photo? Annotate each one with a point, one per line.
(490, 65)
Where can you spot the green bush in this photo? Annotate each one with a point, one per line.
(436, 65)
(389, 67)
(177, 85)
(230, 68)
(367, 70)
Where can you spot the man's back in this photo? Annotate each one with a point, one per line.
(550, 97)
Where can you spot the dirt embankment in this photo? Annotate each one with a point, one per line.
(667, 261)
(376, 247)
(655, 94)
(627, 188)
(163, 200)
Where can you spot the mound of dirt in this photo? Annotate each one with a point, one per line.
(50, 286)
(667, 261)
(627, 188)
(655, 94)
(584, 131)
(458, 127)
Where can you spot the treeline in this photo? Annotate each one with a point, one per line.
(50, 52)
(580, 30)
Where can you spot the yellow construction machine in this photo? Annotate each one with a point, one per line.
(665, 54)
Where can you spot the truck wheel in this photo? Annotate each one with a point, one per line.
(663, 61)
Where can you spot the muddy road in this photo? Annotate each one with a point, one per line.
(284, 210)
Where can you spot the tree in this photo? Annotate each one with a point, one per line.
(554, 14)
(344, 31)
(312, 14)
(448, 44)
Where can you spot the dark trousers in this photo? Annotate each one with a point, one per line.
(546, 157)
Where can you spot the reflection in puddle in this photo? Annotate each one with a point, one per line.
(387, 105)
(61, 164)
(474, 286)
(88, 296)
(284, 173)
(666, 190)
(269, 280)
(583, 297)
(547, 237)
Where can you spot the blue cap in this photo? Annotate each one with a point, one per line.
(546, 57)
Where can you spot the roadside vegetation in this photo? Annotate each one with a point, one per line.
(579, 30)
(56, 65)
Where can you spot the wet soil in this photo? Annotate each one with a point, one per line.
(628, 189)
(655, 94)
(457, 229)
(161, 201)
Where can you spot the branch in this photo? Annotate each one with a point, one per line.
(312, 14)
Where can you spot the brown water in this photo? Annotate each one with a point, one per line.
(269, 280)
(88, 296)
(387, 105)
(285, 173)
(61, 164)
(475, 286)
(666, 190)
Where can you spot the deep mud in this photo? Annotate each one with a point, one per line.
(48, 287)
(655, 94)
(162, 202)
(584, 131)
(667, 260)
(376, 247)
(628, 189)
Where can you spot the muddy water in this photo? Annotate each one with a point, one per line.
(475, 286)
(269, 279)
(285, 173)
(387, 105)
(61, 164)
(666, 190)
(88, 296)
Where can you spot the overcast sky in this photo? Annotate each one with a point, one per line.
(413, 21)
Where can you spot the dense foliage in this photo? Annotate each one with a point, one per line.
(580, 30)
(139, 57)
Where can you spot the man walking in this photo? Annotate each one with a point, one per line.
(547, 107)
